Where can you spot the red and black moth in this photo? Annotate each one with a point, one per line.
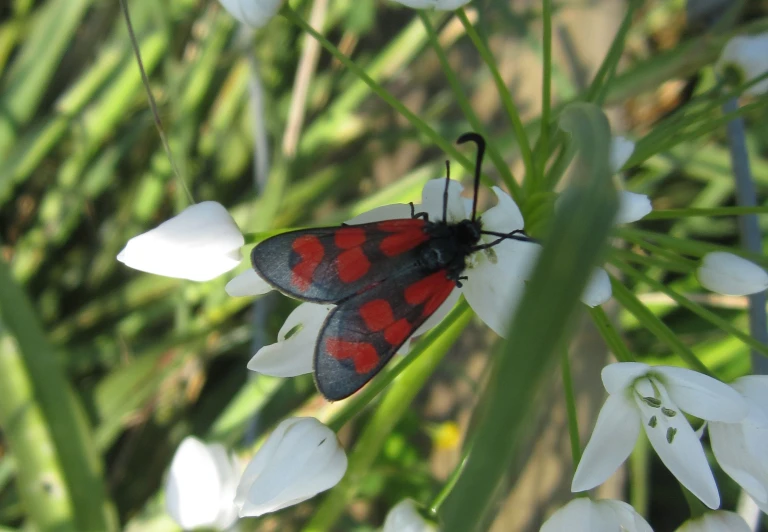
(385, 278)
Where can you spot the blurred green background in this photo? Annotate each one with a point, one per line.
(150, 360)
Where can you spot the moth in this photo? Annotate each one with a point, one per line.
(385, 278)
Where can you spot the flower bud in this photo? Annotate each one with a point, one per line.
(301, 458)
(200, 489)
(731, 275)
(748, 56)
(199, 243)
(253, 13)
(719, 521)
(403, 517)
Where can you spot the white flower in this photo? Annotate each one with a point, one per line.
(749, 56)
(655, 398)
(199, 243)
(585, 515)
(292, 356)
(632, 207)
(440, 5)
(200, 489)
(254, 13)
(403, 517)
(248, 283)
(301, 458)
(741, 448)
(731, 275)
(621, 150)
(719, 521)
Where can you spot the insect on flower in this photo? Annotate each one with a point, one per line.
(385, 278)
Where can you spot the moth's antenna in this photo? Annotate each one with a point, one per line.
(445, 192)
(480, 141)
(152, 103)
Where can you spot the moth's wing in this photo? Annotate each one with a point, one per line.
(363, 333)
(330, 264)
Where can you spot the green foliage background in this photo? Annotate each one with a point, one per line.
(103, 370)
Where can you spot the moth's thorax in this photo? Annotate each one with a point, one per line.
(449, 246)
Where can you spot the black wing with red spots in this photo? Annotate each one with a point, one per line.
(331, 264)
(363, 333)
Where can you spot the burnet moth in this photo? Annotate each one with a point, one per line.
(385, 278)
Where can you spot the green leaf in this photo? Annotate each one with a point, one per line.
(539, 327)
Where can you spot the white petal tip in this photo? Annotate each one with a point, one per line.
(732, 275)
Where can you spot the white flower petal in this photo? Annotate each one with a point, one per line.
(626, 516)
(505, 216)
(731, 275)
(632, 207)
(201, 486)
(496, 283)
(395, 211)
(301, 458)
(719, 521)
(199, 243)
(254, 13)
(580, 515)
(621, 150)
(440, 5)
(729, 446)
(403, 517)
(598, 289)
(700, 395)
(585, 515)
(754, 389)
(432, 200)
(617, 377)
(248, 283)
(613, 438)
(683, 455)
(292, 356)
(748, 55)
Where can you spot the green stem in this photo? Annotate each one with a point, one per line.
(708, 212)
(546, 88)
(40, 478)
(694, 307)
(466, 107)
(611, 335)
(638, 478)
(570, 406)
(391, 409)
(504, 94)
(598, 90)
(62, 414)
(448, 487)
(658, 328)
(380, 91)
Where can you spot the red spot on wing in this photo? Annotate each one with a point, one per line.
(430, 292)
(398, 243)
(407, 234)
(401, 224)
(352, 264)
(377, 314)
(349, 237)
(398, 332)
(363, 355)
(311, 252)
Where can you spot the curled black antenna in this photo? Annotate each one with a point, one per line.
(517, 234)
(480, 141)
(445, 192)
